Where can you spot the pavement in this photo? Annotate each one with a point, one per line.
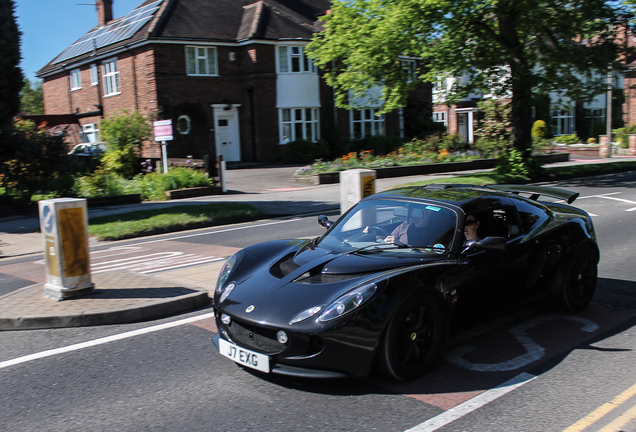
(124, 297)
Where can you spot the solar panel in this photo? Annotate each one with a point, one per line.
(117, 31)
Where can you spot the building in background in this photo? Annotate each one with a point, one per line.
(232, 75)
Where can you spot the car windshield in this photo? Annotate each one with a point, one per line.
(377, 226)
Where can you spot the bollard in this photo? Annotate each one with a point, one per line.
(64, 225)
(354, 185)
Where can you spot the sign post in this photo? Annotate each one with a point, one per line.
(163, 132)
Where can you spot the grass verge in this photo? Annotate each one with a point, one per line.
(178, 218)
(169, 219)
(549, 174)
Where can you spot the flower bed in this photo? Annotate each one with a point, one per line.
(429, 168)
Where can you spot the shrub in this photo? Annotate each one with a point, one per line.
(511, 162)
(124, 135)
(496, 120)
(591, 140)
(621, 135)
(489, 147)
(539, 130)
(33, 162)
(377, 144)
(304, 151)
(99, 183)
(568, 139)
(153, 186)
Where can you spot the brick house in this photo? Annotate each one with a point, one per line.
(230, 74)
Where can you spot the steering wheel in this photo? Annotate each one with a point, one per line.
(373, 234)
(380, 232)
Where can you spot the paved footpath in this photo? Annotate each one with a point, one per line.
(128, 297)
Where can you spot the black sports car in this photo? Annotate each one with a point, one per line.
(381, 286)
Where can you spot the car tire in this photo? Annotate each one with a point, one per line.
(414, 338)
(579, 281)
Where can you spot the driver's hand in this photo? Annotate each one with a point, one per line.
(389, 239)
(366, 230)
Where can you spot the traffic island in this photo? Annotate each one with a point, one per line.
(118, 298)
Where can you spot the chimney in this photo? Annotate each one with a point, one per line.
(104, 11)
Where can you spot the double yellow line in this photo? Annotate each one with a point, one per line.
(605, 409)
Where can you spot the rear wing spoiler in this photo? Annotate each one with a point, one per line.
(538, 191)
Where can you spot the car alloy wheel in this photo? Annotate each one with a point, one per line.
(414, 338)
(579, 284)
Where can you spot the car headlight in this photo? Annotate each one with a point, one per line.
(305, 315)
(348, 302)
(226, 271)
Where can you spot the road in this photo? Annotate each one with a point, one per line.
(529, 370)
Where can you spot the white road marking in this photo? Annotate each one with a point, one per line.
(101, 341)
(472, 404)
(220, 231)
(533, 352)
(608, 196)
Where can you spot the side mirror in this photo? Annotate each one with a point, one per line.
(324, 221)
(488, 243)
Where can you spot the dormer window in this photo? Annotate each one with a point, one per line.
(292, 59)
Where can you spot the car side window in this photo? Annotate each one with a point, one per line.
(498, 222)
(531, 214)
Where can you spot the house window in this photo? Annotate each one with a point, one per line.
(440, 117)
(201, 61)
(292, 59)
(94, 77)
(366, 123)
(299, 123)
(76, 80)
(110, 74)
(410, 69)
(89, 133)
(562, 121)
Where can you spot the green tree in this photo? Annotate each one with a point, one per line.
(508, 48)
(34, 162)
(32, 98)
(10, 72)
(124, 135)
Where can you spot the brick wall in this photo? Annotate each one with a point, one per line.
(153, 80)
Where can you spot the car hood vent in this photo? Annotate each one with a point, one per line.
(284, 267)
(329, 268)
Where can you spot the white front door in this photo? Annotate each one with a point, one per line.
(228, 143)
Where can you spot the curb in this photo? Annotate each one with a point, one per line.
(112, 302)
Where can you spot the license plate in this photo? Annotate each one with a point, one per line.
(243, 356)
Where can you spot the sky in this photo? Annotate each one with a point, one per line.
(50, 26)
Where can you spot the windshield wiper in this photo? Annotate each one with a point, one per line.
(381, 247)
(378, 246)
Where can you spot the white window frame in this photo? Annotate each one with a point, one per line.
(110, 75)
(563, 121)
(94, 75)
(440, 117)
(299, 123)
(292, 59)
(201, 61)
(76, 79)
(90, 133)
(364, 122)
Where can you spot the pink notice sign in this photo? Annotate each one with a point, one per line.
(162, 130)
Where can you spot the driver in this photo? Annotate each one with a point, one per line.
(411, 232)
